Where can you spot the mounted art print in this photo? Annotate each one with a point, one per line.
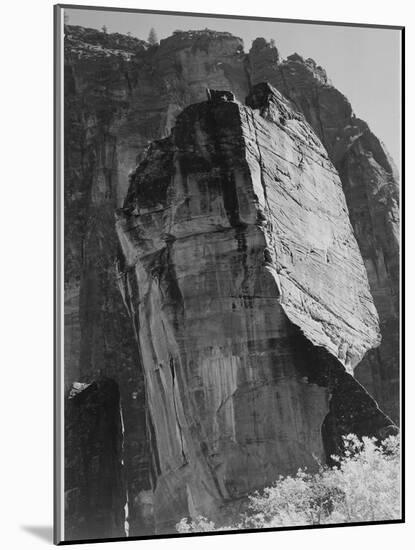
(228, 274)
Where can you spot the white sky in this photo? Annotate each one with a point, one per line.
(363, 63)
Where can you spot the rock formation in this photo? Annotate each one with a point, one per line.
(121, 94)
(250, 303)
(99, 339)
(370, 184)
(95, 496)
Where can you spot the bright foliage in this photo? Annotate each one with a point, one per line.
(363, 485)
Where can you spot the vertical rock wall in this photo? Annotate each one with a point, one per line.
(119, 95)
(370, 183)
(250, 303)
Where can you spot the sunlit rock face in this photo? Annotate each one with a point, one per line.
(250, 304)
(371, 185)
(121, 94)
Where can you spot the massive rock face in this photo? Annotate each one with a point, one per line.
(250, 303)
(121, 94)
(370, 183)
(99, 339)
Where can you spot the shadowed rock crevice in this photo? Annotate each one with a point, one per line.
(95, 494)
(121, 95)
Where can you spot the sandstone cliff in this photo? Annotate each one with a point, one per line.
(121, 94)
(370, 184)
(250, 303)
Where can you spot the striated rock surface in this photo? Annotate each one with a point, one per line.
(99, 339)
(121, 94)
(314, 257)
(370, 183)
(95, 495)
(250, 303)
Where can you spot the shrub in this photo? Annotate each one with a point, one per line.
(363, 485)
(198, 525)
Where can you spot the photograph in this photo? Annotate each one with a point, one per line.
(228, 273)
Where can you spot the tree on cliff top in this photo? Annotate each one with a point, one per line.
(363, 486)
(152, 37)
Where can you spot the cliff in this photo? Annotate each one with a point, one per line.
(250, 302)
(370, 183)
(122, 94)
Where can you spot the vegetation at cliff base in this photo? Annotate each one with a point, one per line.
(363, 485)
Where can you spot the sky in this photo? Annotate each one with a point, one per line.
(363, 63)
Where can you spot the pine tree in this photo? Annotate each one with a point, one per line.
(152, 37)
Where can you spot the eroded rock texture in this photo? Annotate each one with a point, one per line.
(370, 183)
(250, 303)
(121, 94)
(99, 339)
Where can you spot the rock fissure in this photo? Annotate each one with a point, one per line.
(185, 460)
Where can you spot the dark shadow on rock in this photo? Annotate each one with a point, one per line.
(44, 532)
